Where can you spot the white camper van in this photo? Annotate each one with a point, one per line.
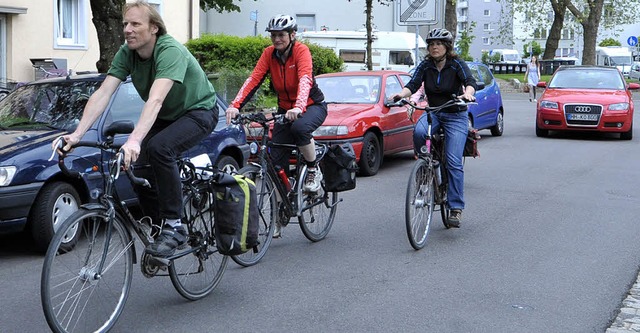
(507, 56)
(390, 50)
(618, 56)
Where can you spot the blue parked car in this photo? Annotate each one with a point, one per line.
(489, 112)
(34, 194)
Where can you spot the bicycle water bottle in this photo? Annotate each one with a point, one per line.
(284, 179)
(436, 167)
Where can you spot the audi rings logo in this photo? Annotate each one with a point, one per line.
(582, 108)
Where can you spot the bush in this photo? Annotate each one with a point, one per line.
(230, 60)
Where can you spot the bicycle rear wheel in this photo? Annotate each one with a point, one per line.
(76, 296)
(196, 273)
(317, 210)
(420, 203)
(268, 207)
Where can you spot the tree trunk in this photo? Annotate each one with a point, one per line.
(590, 32)
(368, 10)
(451, 17)
(107, 18)
(559, 9)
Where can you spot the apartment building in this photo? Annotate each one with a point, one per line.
(61, 33)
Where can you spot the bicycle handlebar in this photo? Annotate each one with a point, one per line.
(454, 101)
(103, 146)
(260, 118)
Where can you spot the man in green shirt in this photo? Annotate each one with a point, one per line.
(179, 111)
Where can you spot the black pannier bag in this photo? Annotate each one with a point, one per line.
(236, 214)
(339, 168)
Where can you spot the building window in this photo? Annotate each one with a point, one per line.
(157, 4)
(70, 23)
(487, 12)
(540, 33)
(487, 27)
(567, 34)
(306, 22)
(486, 40)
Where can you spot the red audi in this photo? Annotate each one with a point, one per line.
(586, 98)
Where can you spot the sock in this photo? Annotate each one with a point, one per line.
(172, 222)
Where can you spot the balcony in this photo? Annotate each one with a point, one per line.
(463, 4)
(462, 18)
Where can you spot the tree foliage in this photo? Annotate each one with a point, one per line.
(609, 42)
(464, 43)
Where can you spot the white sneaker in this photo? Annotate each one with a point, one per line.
(535, 100)
(277, 232)
(313, 180)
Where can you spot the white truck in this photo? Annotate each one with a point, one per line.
(615, 56)
(507, 56)
(390, 50)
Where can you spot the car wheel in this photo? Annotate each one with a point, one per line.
(498, 128)
(54, 204)
(370, 156)
(628, 135)
(227, 164)
(541, 133)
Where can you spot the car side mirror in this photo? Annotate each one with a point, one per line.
(542, 84)
(480, 85)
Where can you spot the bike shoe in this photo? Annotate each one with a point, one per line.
(168, 241)
(277, 232)
(454, 218)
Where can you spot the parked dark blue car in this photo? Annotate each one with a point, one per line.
(34, 194)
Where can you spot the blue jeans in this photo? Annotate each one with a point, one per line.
(455, 125)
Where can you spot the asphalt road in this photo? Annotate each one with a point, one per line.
(548, 243)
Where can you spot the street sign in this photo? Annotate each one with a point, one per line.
(417, 12)
(632, 40)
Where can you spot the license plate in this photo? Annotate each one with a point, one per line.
(578, 116)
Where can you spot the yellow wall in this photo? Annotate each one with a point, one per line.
(30, 35)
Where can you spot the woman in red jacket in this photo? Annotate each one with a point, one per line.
(291, 69)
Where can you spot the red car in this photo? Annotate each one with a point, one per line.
(586, 98)
(357, 114)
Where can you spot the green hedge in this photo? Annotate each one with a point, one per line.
(219, 51)
(230, 60)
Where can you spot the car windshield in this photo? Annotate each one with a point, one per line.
(358, 89)
(56, 105)
(587, 78)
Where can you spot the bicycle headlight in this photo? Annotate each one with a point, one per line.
(6, 175)
(253, 148)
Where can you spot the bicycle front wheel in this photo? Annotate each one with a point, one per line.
(199, 270)
(420, 203)
(268, 208)
(317, 210)
(80, 292)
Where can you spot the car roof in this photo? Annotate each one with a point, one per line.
(583, 67)
(364, 73)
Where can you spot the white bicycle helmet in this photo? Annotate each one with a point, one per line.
(439, 34)
(282, 23)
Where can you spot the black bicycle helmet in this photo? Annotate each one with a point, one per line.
(282, 23)
(439, 34)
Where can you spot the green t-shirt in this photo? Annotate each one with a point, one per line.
(171, 60)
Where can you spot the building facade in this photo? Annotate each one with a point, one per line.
(62, 30)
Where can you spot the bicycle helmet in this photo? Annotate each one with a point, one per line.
(439, 34)
(282, 23)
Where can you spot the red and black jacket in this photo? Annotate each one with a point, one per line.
(293, 81)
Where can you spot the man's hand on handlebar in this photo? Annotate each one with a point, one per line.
(231, 114)
(131, 151)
